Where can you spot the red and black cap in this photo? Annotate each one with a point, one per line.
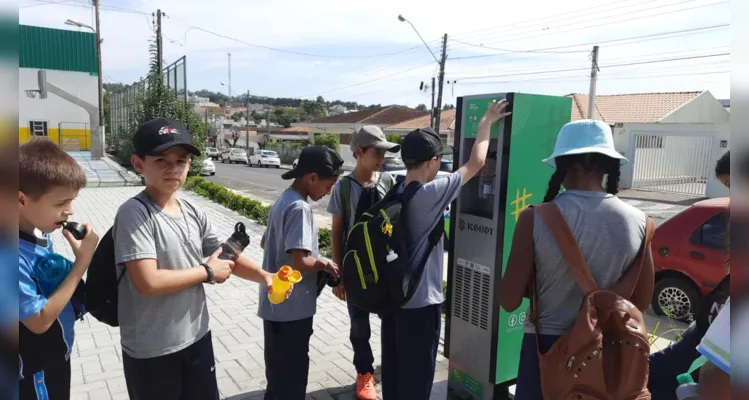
(158, 135)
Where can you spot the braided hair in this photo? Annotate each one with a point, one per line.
(589, 162)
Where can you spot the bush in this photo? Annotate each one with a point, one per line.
(327, 140)
(252, 209)
(394, 138)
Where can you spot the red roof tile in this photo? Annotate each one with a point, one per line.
(447, 121)
(639, 107)
(377, 116)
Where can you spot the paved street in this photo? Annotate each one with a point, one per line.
(264, 184)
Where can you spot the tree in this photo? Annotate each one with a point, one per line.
(156, 100)
(447, 107)
(237, 116)
(394, 138)
(330, 140)
(421, 107)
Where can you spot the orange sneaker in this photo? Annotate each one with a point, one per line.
(365, 387)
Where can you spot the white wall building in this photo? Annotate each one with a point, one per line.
(69, 57)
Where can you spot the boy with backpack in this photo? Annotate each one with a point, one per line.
(49, 181)
(160, 242)
(292, 239)
(410, 334)
(352, 195)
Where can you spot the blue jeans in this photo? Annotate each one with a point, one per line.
(410, 338)
(528, 386)
(665, 366)
(359, 334)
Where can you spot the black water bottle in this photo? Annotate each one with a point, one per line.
(235, 244)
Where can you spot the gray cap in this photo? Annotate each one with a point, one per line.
(372, 136)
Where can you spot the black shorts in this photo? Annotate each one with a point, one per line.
(52, 383)
(185, 375)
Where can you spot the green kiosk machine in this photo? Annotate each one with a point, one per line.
(483, 340)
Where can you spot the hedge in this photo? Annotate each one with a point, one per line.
(252, 209)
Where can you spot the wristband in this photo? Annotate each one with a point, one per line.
(209, 270)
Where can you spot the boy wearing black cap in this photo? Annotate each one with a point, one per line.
(410, 336)
(352, 196)
(291, 239)
(161, 241)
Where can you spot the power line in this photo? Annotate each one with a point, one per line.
(546, 50)
(371, 80)
(576, 28)
(582, 12)
(585, 78)
(299, 53)
(602, 66)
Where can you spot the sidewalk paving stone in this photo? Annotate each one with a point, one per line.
(237, 330)
(97, 372)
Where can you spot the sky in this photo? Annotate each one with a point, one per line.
(359, 51)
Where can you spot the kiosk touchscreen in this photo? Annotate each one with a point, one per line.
(482, 340)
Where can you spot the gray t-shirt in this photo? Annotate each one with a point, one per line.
(609, 233)
(335, 206)
(425, 210)
(159, 325)
(291, 226)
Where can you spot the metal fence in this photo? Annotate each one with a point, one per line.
(122, 103)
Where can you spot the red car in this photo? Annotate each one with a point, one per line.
(690, 255)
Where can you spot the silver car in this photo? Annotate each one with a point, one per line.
(211, 153)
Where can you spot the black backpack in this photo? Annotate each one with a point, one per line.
(102, 281)
(377, 273)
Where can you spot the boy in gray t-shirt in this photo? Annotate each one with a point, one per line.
(291, 239)
(161, 241)
(410, 335)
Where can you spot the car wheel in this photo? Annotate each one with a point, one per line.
(213, 173)
(278, 166)
(223, 160)
(677, 298)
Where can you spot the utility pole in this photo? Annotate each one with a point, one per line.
(267, 124)
(432, 109)
(101, 78)
(247, 124)
(438, 113)
(159, 48)
(593, 79)
(229, 54)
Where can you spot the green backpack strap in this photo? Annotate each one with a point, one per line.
(345, 195)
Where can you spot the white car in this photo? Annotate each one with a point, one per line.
(235, 155)
(293, 165)
(265, 158)
(211, 153)
(209, 168)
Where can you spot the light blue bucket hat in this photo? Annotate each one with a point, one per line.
(582, 137)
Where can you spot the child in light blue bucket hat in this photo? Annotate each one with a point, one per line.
(609, 232)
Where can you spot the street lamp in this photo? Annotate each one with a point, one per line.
(403, 19)
(436, 111)
(98, 68)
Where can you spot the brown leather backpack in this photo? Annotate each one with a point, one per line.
(604, 355)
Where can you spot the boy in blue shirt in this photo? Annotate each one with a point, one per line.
(49, 181)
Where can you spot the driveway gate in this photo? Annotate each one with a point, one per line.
(671, 162)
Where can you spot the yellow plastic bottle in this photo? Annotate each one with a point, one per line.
(282, 281)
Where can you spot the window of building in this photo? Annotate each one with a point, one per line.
(649, 142)
(38, 128)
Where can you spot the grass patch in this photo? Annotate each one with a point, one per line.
(252, 209)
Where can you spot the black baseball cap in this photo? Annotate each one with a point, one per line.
(158, 135)
(320, 160)
(423, 145)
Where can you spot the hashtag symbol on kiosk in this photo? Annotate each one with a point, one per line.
(520, 203)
